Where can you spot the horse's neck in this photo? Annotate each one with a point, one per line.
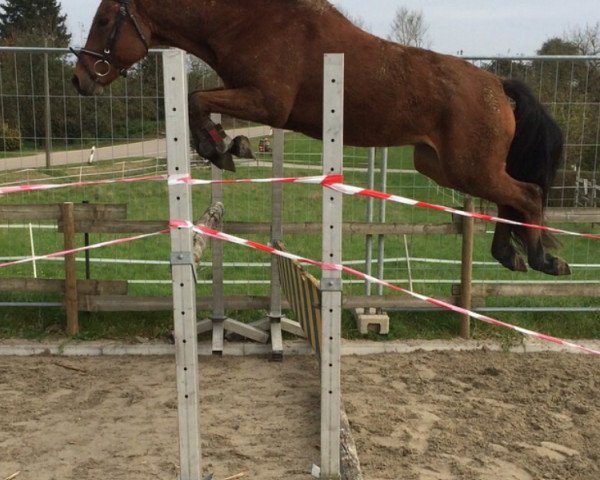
(202, 27)
(196, 26)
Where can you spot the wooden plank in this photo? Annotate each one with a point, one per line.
(246, 330)
(118, 303)
(390, 302)
(564, 215)
(108, 224)
(466, 270)
(119, 226)
(89, 211)
(50, 285)
(102, 287)
(71, 297)
(535, 290)
(123, 303)
(573, 215)
(290, 326)
(356, 228)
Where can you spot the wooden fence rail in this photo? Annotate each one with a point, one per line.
(105, 295)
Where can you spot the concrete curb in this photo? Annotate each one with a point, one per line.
(349, 347)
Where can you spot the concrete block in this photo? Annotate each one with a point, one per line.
(367, 319)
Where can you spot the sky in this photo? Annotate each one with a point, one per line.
(475, 27)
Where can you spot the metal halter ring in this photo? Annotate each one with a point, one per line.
(105, 58)
(106, 66)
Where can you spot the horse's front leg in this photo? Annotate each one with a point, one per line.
(210, 139)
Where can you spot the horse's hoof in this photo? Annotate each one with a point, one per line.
(241, 147)
(519, 264)
(553, 266)
(224, 161)
(513, 262)
(560, 267)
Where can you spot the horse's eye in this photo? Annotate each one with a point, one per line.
(102, 22)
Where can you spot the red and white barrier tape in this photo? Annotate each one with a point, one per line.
(323, 265)
(172, 180)
(317, 180)
(330, 181)
(108, 243)
(330, 266)
(350, 190)
(50, 186)
(333, 181)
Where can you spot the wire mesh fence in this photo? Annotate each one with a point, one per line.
(50, 134)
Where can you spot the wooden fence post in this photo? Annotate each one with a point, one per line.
(71, 301)
(466, 274)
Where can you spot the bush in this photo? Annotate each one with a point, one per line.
(10, 138)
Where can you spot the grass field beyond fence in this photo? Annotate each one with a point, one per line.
(430, 262)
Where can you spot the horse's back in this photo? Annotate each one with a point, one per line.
(394, 94)
(397, 94)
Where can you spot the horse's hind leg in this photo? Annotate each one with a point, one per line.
(428, 163)
(517, 200)
(537, 257)
(525, 199)
(529, 205)
(503, 248)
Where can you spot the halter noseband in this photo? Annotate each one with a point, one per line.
(105, 58)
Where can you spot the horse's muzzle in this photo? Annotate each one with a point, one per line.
(85, 85)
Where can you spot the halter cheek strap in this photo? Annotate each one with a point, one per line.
(105, 58)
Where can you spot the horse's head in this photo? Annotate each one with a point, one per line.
(118, 39)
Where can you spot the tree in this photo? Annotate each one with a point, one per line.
(558, 46)
(572, 89)
(586, 39)
(409, 28)
(33, 22)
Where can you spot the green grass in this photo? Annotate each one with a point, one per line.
(252, 203)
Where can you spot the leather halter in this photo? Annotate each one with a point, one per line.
(105, 58)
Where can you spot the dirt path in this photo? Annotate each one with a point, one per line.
(430, 416)
(147, 149)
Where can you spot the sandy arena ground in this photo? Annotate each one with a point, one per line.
(431, 416)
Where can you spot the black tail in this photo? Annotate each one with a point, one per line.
(536, 150)
(537, 146)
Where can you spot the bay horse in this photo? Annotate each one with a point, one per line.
(472, 131)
